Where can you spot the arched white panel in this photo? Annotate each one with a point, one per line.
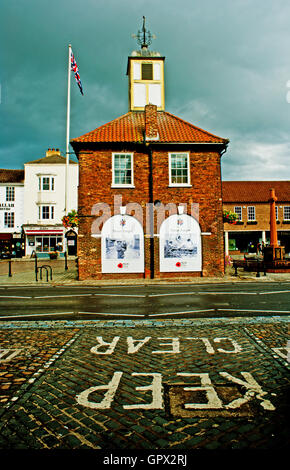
(180, 244)
(122, 245)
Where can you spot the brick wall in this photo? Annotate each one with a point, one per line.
(262, 217)
(95, 179)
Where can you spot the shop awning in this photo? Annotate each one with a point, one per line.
(44, 232)
(5, 236)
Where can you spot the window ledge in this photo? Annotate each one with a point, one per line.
(124, 186)
(180, 186)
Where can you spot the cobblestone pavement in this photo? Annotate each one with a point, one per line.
(173, 384)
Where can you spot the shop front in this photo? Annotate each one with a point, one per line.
(46, 242)
(11, 245)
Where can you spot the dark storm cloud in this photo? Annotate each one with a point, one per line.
(227, 68)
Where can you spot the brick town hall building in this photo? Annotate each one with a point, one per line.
(150, 196)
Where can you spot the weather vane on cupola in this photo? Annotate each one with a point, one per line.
(144, 37)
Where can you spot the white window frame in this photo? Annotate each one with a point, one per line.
(284, 213)
(10, 219)
(10, 193)
(241, 212)
(179, 185)
(51, 212)
(250, 219)
(51, 183)
(39, 244)
(125, 185)
(277, 212)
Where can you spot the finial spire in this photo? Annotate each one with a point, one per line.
(144, 37)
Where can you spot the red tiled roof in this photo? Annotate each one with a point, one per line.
(11, 176)
(130, 128)
(255, 191)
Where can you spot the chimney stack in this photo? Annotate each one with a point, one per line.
(51, 152)
(151, 128)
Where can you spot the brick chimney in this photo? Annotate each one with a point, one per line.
(51, 152)
(151, 128)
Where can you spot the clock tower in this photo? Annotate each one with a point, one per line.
(146, 74)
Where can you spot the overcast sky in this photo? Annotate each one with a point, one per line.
(227, 71)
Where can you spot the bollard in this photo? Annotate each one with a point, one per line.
(265, 269)
(35, 267)
(258, 268)
(236, 269)
(65, 258)
(9, 268)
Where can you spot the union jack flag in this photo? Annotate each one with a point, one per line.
(74, 68)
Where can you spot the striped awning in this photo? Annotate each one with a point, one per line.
(44, 232)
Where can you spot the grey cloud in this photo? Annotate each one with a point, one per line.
(227, 67)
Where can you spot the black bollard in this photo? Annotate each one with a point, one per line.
(9, 268)
(258, 268)
(236, 269)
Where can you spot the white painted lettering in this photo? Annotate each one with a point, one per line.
(111, 388)
(7, 354)
(157, 393)
(253, 389)
(174, 344)
(237, 347)
(208, 346)
(132, 347)
(206, 386)
(111, 348)
(284, 355)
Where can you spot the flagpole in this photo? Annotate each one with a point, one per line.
(67, 129)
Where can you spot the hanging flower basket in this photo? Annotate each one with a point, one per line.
(230, 217)
(70, 220)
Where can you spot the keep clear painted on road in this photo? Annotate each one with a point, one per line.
(202, 382)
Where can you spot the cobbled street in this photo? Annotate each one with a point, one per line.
(145, 384)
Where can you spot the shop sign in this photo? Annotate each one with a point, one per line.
(6, 206)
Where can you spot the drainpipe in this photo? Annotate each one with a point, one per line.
(151, 214)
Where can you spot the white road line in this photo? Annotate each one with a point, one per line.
(249, 310)
(59, 296)
(181, 313)
(15, 297)
(203, 293)
(112, 314)
(120, 295)
(116, 286)
(76, 295)
(275, 292)
(20, 315)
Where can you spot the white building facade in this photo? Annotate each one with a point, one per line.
(11, 212)
(44, 205)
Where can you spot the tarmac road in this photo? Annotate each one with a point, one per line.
(143, 302)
